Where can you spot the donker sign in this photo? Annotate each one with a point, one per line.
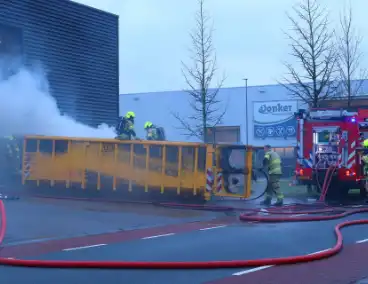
(274, 119)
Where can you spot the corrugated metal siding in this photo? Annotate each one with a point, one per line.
(78, 45)
(356, 102)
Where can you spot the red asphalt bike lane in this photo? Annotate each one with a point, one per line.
(43, 247)
(347, 267)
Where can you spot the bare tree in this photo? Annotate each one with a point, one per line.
(349, 57)
(312, 47)
(204, 102)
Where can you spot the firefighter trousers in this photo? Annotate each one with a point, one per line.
(365, 170)
(273, 188)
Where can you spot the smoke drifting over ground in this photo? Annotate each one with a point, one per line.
(27, 108)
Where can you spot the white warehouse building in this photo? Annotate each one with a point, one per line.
(270, 111)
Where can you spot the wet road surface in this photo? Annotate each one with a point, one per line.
(221, 240)
(32, 219)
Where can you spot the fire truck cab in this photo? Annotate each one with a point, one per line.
(331, 138)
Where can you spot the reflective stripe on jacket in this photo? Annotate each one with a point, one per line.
(126, 127)
(365, 159)
(152, 134)
(130, 125)
(12, 147)
(273, 161)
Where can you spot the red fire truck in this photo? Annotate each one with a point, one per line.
(331, 138)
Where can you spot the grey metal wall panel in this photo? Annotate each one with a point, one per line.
(78, 47)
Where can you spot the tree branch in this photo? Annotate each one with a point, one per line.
(349, 58)
(208, 110)
(312, 47)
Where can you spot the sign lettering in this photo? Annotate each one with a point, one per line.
(278, 108)
(274, 119)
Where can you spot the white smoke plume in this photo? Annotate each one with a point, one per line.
(27, 108)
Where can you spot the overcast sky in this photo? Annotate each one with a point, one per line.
(249, 39)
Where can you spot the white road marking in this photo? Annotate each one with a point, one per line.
(362, 241)
(268, 266)
(158, 236)
(318, 251)
(10, 257)
(85, 247)
(251, 270)
(211, 228)
(297, 215)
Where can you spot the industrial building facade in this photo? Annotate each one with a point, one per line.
(77, 48)
(259, 115)
(256, 116)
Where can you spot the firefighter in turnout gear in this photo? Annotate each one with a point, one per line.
(12, 154)
(365, 168)
(272, 162)
(125, 128)
(154, 132)
(151, 131)
(365, 159)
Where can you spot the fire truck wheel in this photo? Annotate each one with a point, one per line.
(309, 189)
(317, 189)
(336, 192)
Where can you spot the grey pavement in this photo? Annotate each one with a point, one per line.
(237, 241)
(45, 218)
(35, 219)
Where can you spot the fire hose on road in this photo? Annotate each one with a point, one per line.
(287, 215)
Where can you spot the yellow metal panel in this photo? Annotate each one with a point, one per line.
(116, 149)
(195, 170)
(246, 175)
(99, 173)
(147, 166)
(180, 161)
(24, 169)
(178, 168)
(52, 181)
(163, 168)
(112, 158)
(98, 140)
(37, 153)
(67, 184)
(131, 163)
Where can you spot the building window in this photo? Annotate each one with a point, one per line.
(223, 134)
(285, 152)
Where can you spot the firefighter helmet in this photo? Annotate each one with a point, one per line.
(130, 115)
(148, 124)
(365, 143)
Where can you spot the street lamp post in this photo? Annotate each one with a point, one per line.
(246, 112)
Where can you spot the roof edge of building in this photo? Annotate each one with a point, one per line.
(74, 2)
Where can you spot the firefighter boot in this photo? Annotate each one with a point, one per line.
(279, 202)
(266, 202)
